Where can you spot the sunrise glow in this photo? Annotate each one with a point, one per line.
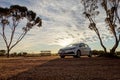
(65, 42)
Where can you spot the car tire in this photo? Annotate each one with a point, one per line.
(78, 54)
(75, 56)
(90, 55)
(62, 56)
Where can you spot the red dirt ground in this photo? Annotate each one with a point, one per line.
(55, 68)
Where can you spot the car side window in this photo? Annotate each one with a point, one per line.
(86, 45)
(81, 45)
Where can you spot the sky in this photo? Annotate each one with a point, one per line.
(63, 24)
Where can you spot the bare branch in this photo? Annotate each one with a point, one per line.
(119, 37)
(19, 39)
(13, 32)
(117, 6)
(4, 36)
(89, 12)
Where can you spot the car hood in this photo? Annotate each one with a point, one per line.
(68, 48)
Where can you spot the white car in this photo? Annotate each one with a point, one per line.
(76, 50)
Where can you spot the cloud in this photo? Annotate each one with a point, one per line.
(63, 21)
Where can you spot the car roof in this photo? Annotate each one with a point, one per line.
(78, 43)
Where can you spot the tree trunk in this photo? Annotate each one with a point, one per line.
(97, 32)
(101, 43)
(112, 51)
(8, 53)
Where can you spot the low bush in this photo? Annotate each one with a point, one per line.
(103, 54)
(96, 52)
(2, 54)
(13, 54)
(118, 52)
(45, 54)
(109, 55)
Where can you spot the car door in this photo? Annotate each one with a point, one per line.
(87, 49)
(83, 49)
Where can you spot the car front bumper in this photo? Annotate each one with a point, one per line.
(66, 53)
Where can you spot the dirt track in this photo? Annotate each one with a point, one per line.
(54, 68)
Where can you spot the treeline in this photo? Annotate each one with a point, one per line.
(14, 54)
(25, 54)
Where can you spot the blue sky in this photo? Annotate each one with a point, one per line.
(63, 23)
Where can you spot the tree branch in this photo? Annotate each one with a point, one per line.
(3, 35)
(13, 32)
(19, 39)
(119, 37)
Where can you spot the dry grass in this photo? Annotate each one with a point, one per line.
(54, 68)
(12, 66)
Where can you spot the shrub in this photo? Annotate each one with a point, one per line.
(96, 52)
(13, 54)
(45, 54)
(118, 52)
(2, 52)
(24, 54)
(19, 54)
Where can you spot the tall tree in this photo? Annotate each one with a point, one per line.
(90, 13)
(112, 19)
(10, 18)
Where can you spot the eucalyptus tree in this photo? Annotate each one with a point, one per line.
(112, 17)
(91, 13)
(10, 18)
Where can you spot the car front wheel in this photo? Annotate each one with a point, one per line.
(78, 54)
(62, 56)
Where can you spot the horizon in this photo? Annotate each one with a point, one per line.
(63, 24)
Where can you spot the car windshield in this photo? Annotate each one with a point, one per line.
(71, 45)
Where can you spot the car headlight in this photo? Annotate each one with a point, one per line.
(60, 51)
(72, 48)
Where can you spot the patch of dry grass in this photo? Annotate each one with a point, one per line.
(54, 68)
(12, 66)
